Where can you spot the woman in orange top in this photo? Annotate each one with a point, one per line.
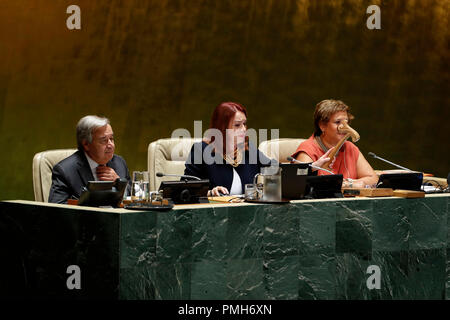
(349, 161)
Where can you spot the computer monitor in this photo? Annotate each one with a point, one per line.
(401, 180)
(293, 180)
(327, 186)
(183, 192)
(103, 193)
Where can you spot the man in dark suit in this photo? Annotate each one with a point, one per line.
(94, 160)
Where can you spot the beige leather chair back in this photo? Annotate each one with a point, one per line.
(43, 163)
(280, 149)
(168, 156)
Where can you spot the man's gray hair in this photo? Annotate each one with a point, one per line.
(86, 126)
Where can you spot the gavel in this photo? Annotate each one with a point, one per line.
(349, 132)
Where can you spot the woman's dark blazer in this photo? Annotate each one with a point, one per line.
(221, 174)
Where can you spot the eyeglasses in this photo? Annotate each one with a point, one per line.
(105, 140)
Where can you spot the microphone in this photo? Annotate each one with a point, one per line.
(309, 164)
(373, 155)
(160, 174)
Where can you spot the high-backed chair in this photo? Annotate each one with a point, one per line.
(168, 156)
(280, 149)
(43, 163)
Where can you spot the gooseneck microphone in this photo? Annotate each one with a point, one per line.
(183, 176)
(373, 155)
(309, 164)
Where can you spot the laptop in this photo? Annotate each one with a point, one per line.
(293, 180)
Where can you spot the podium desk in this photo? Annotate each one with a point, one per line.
(307, 249)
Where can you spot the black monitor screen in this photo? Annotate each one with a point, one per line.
(404, 181)
(182, 192)
(293, 180)
(328, 186)
(103, 193)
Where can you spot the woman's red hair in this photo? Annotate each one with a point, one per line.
(221, 118)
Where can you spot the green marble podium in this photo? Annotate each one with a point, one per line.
(314, 249)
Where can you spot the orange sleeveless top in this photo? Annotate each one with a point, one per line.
(345, 162)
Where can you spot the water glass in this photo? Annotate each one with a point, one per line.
(140, 186)
(251, 193)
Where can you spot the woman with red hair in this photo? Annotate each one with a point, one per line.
(225, 156)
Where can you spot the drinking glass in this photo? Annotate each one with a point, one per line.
(156, 196)
(251, 193)
(140, 186)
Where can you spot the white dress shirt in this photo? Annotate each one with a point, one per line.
(236, 185)
(93, 166)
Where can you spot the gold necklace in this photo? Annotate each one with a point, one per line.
(236, 160)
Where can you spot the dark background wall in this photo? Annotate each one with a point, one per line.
(155, 66)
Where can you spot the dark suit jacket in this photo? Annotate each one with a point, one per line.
(73, 173)
(221, 174)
